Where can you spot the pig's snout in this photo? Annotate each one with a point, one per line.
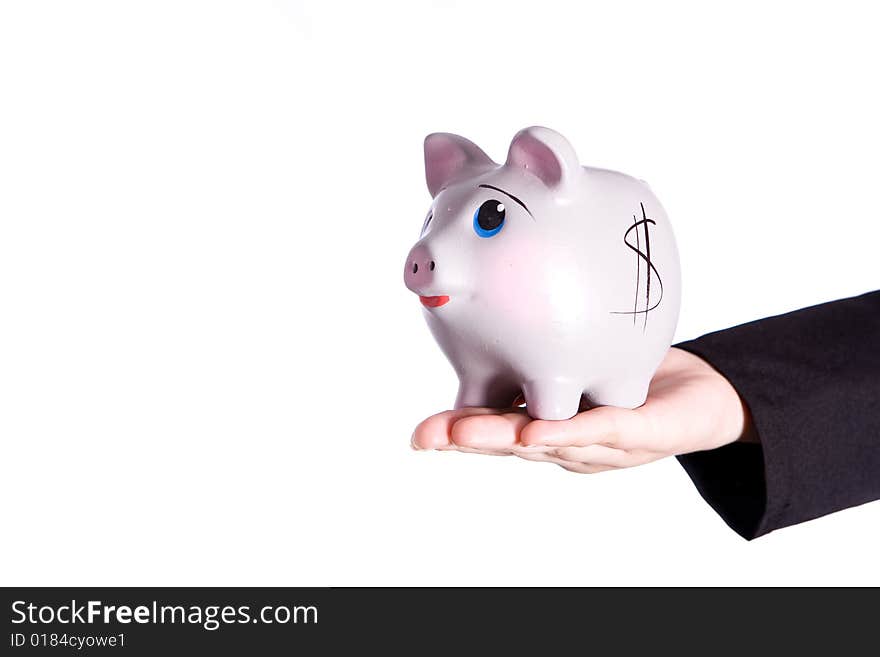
(419, 272)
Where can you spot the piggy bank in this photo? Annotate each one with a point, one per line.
(544, 278)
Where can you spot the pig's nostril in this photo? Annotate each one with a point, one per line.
(431, 266)
(415, 267)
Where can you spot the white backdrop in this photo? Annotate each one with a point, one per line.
(209, 365)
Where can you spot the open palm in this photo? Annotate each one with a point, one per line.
(690, 407)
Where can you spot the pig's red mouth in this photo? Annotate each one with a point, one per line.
(434, 302)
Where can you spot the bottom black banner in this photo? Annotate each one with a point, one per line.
(266, 621)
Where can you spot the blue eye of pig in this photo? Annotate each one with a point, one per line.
(489, 218)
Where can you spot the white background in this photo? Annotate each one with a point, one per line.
(209, 365)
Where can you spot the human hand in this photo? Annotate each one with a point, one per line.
(690, 407)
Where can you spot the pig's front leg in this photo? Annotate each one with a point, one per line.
(624, 394)
(552, 399)
(484, 392)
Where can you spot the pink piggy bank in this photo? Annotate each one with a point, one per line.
(544, 278)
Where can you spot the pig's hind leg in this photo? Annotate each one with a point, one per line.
(623, 394)
(554, 399)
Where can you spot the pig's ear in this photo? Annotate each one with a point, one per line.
(544, 153)
(449, 156)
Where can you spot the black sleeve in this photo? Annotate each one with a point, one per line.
(811, 379)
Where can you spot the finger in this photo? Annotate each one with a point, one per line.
(532, 454)
(596, 455)
(483, 451)
(606, 425)
(571, 466)
(435, 431)
(585, 468)
(499, 431)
